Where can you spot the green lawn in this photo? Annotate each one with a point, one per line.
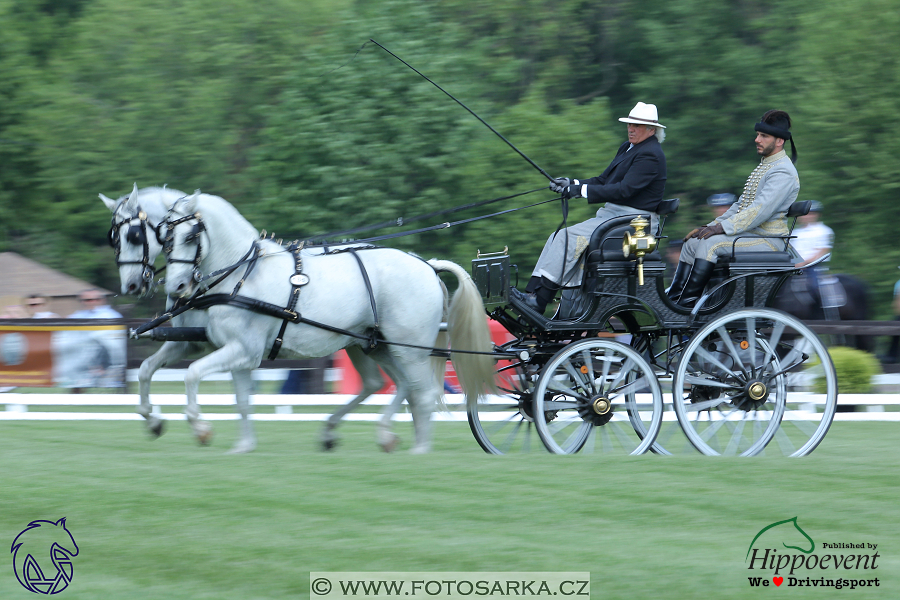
(169, 519)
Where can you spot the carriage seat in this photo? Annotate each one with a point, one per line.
(606, 241)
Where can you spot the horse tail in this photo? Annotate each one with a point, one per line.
(468, 329)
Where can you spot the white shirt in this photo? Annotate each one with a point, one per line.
(812, 238)
(101, 312)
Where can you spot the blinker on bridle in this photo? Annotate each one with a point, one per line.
(168, 241)
(135, 234)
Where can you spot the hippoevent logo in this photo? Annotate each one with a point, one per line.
(782, 553)
(42, 556)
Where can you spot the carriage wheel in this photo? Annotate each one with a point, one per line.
(598, 395)
(745, 384)
(503, 424)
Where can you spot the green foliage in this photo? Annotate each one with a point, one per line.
(262, 104)
(854, 368)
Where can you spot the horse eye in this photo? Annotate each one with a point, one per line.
(112, 237)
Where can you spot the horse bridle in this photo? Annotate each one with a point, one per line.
(168, 241)
(136, 234)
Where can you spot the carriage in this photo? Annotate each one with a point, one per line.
(742, 378)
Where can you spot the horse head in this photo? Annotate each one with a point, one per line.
(202, 233)
(133, 234)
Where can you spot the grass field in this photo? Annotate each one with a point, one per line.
(168, 519)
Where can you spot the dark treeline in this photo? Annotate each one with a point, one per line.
(262, 104)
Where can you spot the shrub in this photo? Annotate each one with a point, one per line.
(854, 368)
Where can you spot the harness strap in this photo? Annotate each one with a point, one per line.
(278, 312)
(297, 280)
(373, 339)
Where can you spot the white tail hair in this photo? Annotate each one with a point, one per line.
(468, 330)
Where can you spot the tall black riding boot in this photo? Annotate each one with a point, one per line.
(545, 294)
(682, 271)
(693, 289)
(534, 282)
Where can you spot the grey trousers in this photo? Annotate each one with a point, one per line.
(720, 245)
(560, 260)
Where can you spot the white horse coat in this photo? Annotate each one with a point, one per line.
(409, 299)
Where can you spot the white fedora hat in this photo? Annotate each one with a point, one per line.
(643, 114)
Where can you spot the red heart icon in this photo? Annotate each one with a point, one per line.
(778, 580)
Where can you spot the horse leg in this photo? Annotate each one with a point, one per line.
(415, 381)
(169, 353)
(243, 386)
(372, 381)
(230, 357)
(387, 439)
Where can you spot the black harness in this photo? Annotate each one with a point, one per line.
(288, 314)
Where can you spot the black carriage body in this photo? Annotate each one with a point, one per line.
(611, 290)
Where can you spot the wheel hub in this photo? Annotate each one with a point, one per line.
(755, 394)
(598, 410)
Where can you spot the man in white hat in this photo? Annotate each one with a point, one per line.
(632, 184)
(760, 211)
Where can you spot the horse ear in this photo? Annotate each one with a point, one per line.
(132, 203)
(190, 202)
(61, 522)
(109, 202)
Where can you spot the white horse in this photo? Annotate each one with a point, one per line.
(133, 236)
(352, 296)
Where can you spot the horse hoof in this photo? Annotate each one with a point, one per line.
(329, 445)
(420, 449)
(156, 427)
(204, 433)
(390, 445)
(243, 447)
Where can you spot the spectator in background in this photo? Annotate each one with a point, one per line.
(893, 354)
(14, 311)
(813, 240)
(36, 304)
(720, 203)
(94, 306)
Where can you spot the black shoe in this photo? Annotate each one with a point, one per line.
(526, 300)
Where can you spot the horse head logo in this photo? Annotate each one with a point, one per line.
(786, 531)
(41, 544)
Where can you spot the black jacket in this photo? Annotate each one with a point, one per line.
(635, 177)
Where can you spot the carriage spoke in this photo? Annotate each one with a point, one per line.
(637, 384)
(705, 405)
(588, 362)
(702, 353)
(695, 380)
(510, 438)
(625, 370)
(729, 343)
(751, 339)
(774, 340)
(734, 443)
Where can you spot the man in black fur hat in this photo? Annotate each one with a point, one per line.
(768, 194)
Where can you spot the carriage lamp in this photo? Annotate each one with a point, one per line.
(639, 244)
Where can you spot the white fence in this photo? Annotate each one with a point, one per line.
(17, 407)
